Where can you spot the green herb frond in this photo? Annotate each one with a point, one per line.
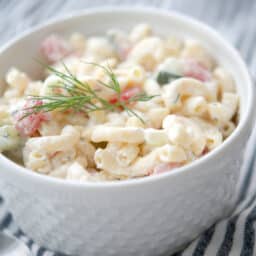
(76, 95)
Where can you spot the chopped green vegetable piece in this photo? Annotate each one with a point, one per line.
(164, 77)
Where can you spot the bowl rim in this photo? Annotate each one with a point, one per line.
(31, 176)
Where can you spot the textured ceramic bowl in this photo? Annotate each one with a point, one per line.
(149, 216)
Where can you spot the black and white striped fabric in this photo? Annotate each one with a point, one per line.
(235, 20)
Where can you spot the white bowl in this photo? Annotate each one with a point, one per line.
(147, 216)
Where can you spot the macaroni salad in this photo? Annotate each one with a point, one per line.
(118, 106)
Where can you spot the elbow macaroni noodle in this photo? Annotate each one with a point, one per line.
(194, 108)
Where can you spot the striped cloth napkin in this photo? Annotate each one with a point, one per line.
(235, 20)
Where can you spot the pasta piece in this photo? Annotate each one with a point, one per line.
(194, 50)
(61, 157)
(9, 138)
(183, 88)
(46, 153)
(105, 160)
(130, 76)
(225, 80)
(115, 119)
(139, 32)
(75, 118)
(116, 158)
(155, 137)
(227, 128)
(224, 111)
(78, 42)
(17, 79)
(47, 88)
(97, 116)
(213, 138)
(126, 154)
(60, 172)
(76, 172)
(145, 165)
(173, 46)
(33, 88)
(5, 117)
(86, 151)
(118, 134)
(148, 52)
(51, 144)
(185, 132)
(100, 48)
(151, 87)
(99, 74)
(82, 68)
(37, 161)
(145, 107)
(72, 63)
(133, 121)
(194, 106)
(212, 134)
(178, 135)
(120, 42)
(156, 116)
(213, 90)
(170, 154)
(50, 128)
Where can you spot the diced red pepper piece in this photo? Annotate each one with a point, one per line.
(113, 100)
(126, 95)
(129, 93)
(27, 126)
(195, 70)
(54, 48)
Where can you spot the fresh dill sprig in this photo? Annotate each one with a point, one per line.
(73, 94)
